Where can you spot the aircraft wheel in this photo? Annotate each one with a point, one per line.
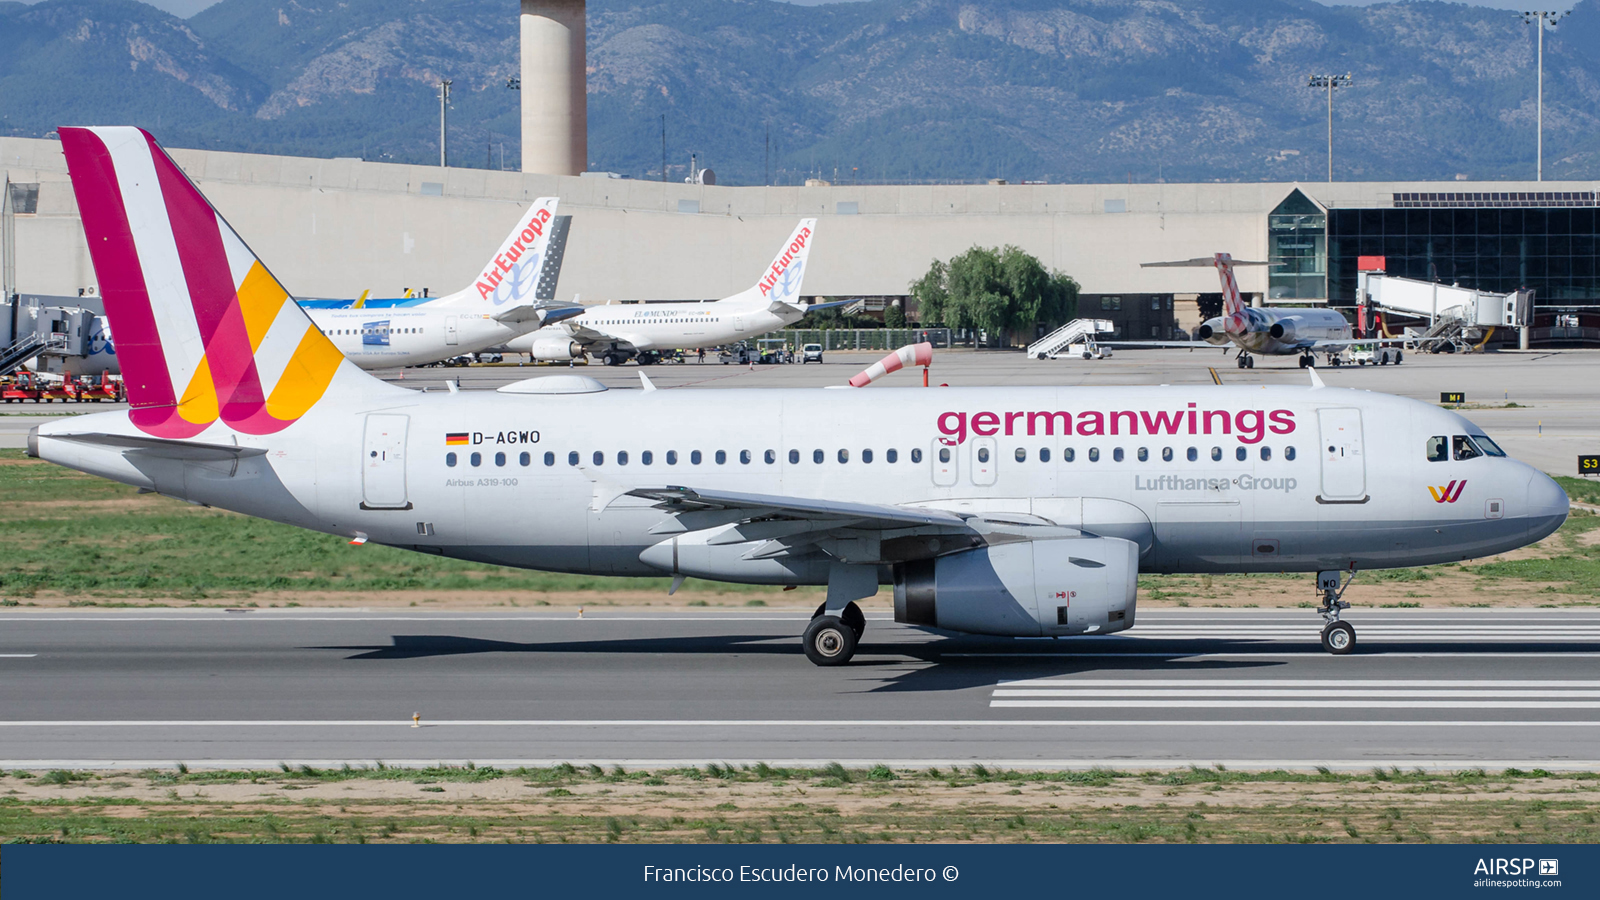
(852, 616)
(829, 642)
(1241, 363)
(1250, 362)
(1339, 638)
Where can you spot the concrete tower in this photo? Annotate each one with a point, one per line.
(555, 103)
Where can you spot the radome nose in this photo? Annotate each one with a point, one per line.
(1547, 505)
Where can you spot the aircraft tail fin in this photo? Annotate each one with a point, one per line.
(525, 269)
(1233, 304)
(204, 332)
(782, 280)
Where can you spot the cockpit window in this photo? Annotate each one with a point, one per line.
(1488, 446)
(1464, 447)
(1438, 448)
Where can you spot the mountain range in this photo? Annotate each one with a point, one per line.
(876, 91)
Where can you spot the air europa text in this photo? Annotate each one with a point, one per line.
(1250, 426)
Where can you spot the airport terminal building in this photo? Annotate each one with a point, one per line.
(338, 227)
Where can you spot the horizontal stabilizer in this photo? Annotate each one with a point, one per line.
(1199, 262)
(172, 449)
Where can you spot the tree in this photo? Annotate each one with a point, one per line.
(999, 291)
(894, 315)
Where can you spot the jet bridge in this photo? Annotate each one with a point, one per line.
(1462, 317)
(50, 334)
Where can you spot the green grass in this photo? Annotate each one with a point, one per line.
(1581, 490)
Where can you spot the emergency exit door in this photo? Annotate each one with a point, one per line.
(1344, 464)
(383, 463)
(450, 335)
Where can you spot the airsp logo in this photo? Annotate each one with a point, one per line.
(1501, 866)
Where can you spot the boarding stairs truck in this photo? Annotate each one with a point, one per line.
(1074, 338)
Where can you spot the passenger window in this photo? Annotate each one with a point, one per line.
(622, 457)
(695, 457)
(499, 459)
(1068, 455)
(1216, 454)
(794, 457)
(572, 458)
(1438, 448)
(1241, 454)
(1144, 454)
(1021, 454)
(450, 460)
(891, 456)
(1094, 454)
(1044, 454)
(722, 457)
(771, 456)
(983, 455)
(646, 458)
(817, 456)
(599, 458)
(549, 459)
(525, 460)
(1266, 454)
(916, 454)
(1166, 454)
(844, 456)
(1288, 453)
(1465, 448)
(1116, 455)
(672, 457)
(744, 457)
(1193, 454)
(944, 454)
(476, 459)
(866, 456)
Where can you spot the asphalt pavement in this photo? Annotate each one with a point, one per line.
(1427, 689)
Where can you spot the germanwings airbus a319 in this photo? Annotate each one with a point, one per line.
(617, 333)
(1269, 331)
(1026, 511)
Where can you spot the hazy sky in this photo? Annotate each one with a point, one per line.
(188, 8)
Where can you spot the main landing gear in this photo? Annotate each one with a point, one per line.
(1338, 637)
(1308, 361)
(831, 640)
(1246, 361)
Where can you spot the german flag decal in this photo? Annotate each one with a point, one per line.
(454, 438)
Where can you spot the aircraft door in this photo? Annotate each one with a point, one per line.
(738, 323)
(383, 463)
(451, 335)
(1344, 465)
(985, 457)
(945, 464)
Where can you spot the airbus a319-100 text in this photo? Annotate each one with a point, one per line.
(1025, 511)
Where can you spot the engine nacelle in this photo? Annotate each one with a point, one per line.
(1054, 587)
(1213, 331)
(1284, 329)
(555, 349)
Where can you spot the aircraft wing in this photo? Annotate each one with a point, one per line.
(831, 513)
(544, 313)
(1186, 345)
(1330, 343)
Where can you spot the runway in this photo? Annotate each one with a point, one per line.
(1244, 688)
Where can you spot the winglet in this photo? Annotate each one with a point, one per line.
(1316, 380)
(648, 384)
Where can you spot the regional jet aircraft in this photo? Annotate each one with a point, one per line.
(617, 333)
(1023, 511)
(1269, 331)
(498, 306)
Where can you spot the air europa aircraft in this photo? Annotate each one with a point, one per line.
(1022, 511)
(617, 333)
(504, 301)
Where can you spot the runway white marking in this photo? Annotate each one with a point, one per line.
(794, 723)
(1229, 693)
(18, 655)
(1308, 653)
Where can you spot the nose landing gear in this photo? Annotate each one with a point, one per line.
(1338, 637)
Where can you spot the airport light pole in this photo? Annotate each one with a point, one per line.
(444, 102)
(1542, 20)
(1328, 83)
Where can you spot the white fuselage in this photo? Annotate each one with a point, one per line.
(409, 336)
(666, 326)
(1298, 479)
(1280, 332)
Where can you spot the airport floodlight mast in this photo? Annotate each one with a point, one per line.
(1542, 20)
(444, 102)
(1328, 83)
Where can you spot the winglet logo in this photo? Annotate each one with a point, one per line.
(1450, 493)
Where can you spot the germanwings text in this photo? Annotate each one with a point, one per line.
(1250, 426)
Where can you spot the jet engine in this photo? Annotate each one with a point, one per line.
(555, 349)
(1213, 332)
(1284, 328)
(1060, 586)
